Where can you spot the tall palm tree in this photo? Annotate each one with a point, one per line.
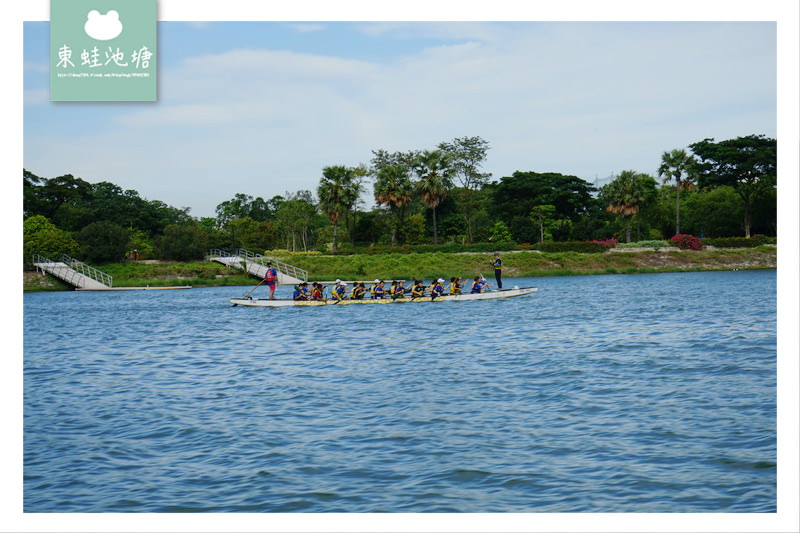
(680, 166)
(338, 191)
(435, 172)
(393, 188)
(625, 196)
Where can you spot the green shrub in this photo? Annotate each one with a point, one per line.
(103, 242)
(646, 244)
(182, 243)
(586, 247)
(739, 242)
(40, 236)
(484, 247)
(687, 242)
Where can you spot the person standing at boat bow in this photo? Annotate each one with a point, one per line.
(271, 279)
(497, 264)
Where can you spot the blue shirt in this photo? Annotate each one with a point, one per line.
(300, 294)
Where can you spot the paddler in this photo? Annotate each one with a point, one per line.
(301, 292)
(358, 291)
(316, 292)
(478, 285)
(455, 285)
(379, 290)
(339, 291)
(437, 289)
(418, 290)
(398, 289)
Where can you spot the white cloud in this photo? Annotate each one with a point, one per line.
(580, 99)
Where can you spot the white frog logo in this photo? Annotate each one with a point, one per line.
(103, 27)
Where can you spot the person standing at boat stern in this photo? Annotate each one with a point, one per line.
(497, 264)
(270, 280)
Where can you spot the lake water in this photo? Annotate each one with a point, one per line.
(628, 393)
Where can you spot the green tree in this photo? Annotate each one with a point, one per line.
(435, 181)
(370, 227)
(182, 243)
(382, 158)
(32, 203)
(338, 192)
(415, 229)
(63, 201)
(40, 236)
(296, 220)
(251, 234)
(394, 189)
(103, 242)
(626, 194)
(541, 216)
(515, 196)
(467, 155)
(680, 166)
(72, 203)
(748, 164)
(714, 212)
(236, 207)
(500, 232)
(142, 245)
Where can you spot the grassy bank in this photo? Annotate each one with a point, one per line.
(533, 264)
(431, 265)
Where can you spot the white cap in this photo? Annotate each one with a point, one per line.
(377, 281)
(337, 280)
(342, 283)
(440, 280)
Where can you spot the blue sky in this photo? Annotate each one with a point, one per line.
(261, 107)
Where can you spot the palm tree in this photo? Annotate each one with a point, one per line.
(435, 173)
(625, 196)
(680, 166)
(393, 187)
(338, 191)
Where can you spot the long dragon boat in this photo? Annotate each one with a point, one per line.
(488, 295)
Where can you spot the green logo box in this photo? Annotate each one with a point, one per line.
(103, 50)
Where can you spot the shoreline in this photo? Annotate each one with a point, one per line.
(429, 265)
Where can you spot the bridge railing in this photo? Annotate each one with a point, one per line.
(247, 255)
(280, 266)
(71, 270)
(88, 271)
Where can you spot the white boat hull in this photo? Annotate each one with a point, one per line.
(489, 295)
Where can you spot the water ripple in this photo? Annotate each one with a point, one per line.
(600, 394)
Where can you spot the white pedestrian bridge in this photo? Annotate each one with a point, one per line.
(256, 265)
(72, 271)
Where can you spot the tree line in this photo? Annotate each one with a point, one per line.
(426, 196)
